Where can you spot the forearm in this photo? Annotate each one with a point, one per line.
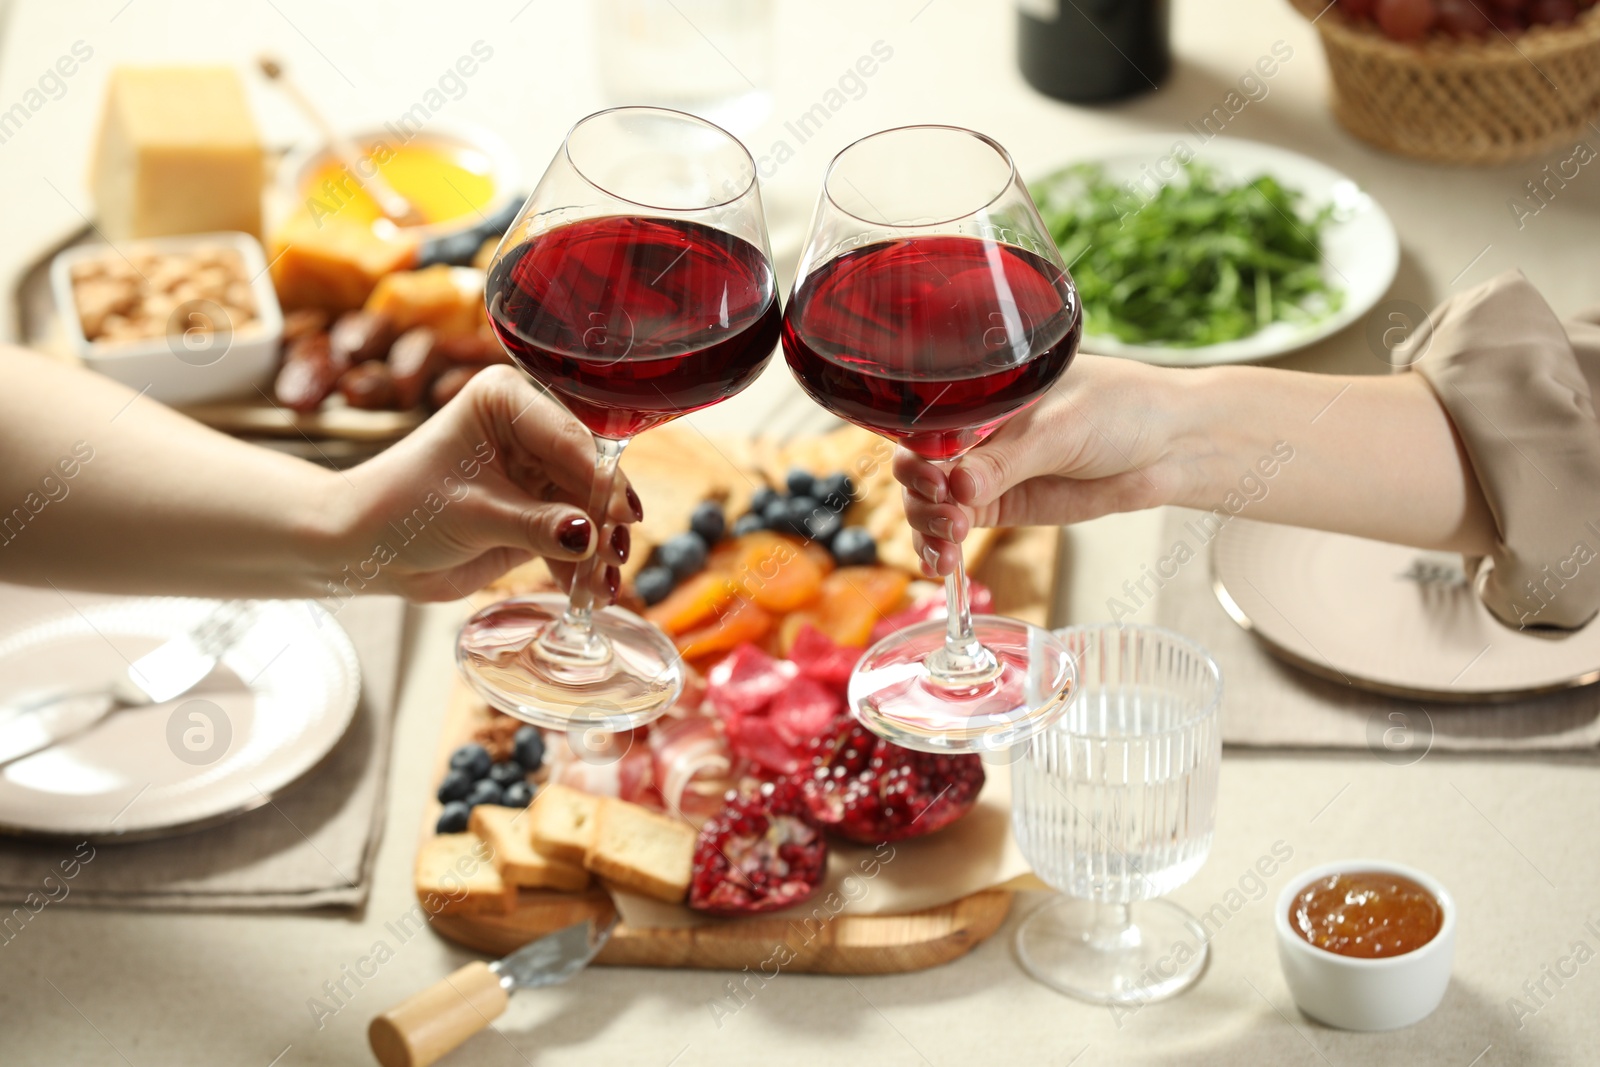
(104, 490)
(1373, 456)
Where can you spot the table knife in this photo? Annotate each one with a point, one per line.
(436, 1020)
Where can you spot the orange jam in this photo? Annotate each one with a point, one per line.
(1366, 914)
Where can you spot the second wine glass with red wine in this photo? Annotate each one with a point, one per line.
(930, 306)
(637, 286)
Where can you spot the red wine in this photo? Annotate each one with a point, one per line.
(933, 341)
(634, 321)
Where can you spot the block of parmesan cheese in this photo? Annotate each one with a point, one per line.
(177, 152)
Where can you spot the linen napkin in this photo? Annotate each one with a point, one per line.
(312, 845)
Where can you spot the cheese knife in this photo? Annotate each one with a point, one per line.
(436, 1020)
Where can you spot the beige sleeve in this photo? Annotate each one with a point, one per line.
(1518, 384)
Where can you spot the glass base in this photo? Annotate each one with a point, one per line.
(518, 657)
(1026, 686)
(1068, 945)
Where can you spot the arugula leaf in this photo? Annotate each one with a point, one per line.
(1200, 262)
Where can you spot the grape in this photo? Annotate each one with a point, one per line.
(1356, 9)
(1406, 20)
(1552, 12)
(1463, 18)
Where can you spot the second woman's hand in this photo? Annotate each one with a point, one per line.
(1375, 456)
(1099, 442)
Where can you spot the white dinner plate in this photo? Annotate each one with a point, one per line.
(276, 704)
(1386, 618)
(1361, 251)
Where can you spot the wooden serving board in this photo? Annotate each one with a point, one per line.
(1019, 567)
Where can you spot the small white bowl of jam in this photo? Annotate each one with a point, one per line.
(1366, 944)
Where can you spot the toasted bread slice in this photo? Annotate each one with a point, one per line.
(562, 822)
(507, 831)
(642, 850)
(456, 873)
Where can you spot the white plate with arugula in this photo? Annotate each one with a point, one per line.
(1228, 251)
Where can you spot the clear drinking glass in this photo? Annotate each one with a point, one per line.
(1114, 806)
(931, 306)
(636, 286)
(711, 58)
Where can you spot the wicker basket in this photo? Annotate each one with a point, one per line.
(1484, 101)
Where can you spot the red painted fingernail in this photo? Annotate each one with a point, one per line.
(621, 541)
(613, 582)
(633, 502)
(575, 533)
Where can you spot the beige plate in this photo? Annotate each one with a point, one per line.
(278, 702)
(1394, 620)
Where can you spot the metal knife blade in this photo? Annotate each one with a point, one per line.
(554, 958)
(62, 717)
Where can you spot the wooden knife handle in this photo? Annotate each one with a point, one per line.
(436, 1020)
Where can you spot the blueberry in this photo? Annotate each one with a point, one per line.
(483, 792)
(453, 819)
(776, 514)
(653, 584)
(823, 524)
(801, 483)
(797, 516)
(853, 546)
(837, 491)
(748, 523)
(503, 774)
(472, 758)
(683, 555)
(709, 521)
(763, 498)
(527, 745)
(517, 795)
(455, 785)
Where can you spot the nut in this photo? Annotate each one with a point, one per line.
(124, 300)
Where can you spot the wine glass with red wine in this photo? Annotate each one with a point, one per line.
(636, 285)
(930, 306)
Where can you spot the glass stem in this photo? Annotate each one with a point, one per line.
(579, 617)
(1111, 925)
(573, 641)
(963, 661)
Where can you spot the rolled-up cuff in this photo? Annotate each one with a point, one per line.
(1512, 383)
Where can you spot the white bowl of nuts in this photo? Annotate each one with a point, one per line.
(185, 319)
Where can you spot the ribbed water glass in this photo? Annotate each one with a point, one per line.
(1114, 806)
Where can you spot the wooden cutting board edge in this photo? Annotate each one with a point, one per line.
(845, 944)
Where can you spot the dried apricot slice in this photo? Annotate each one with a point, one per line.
(692, 603)
(776, 572)
(742, 622)
(853, 600)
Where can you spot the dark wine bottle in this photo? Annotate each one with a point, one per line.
(1092, 51)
